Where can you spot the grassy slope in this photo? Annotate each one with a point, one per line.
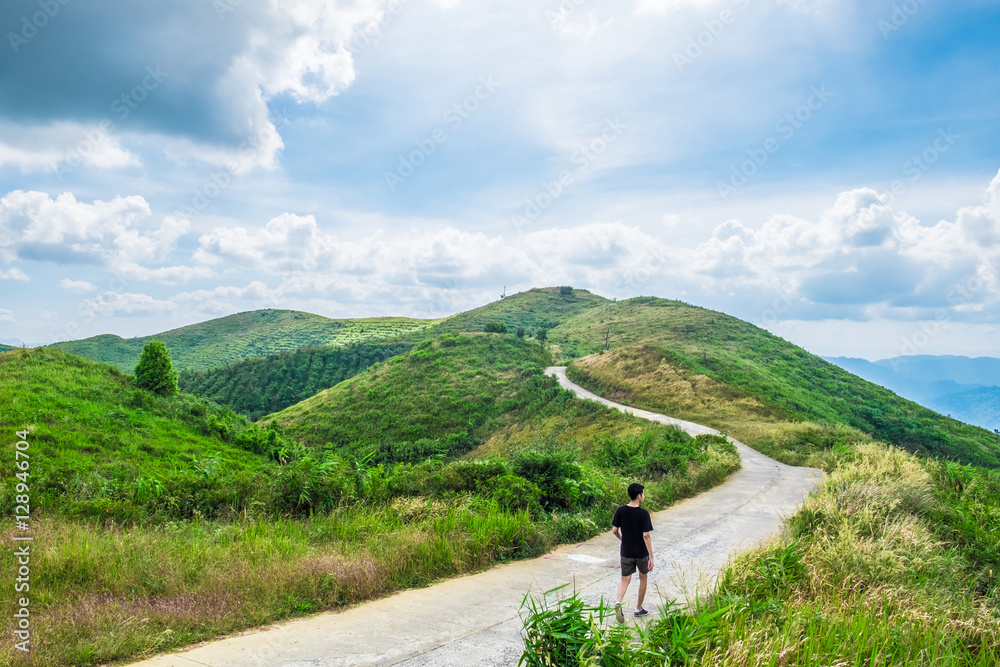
(670, 356)
(5, 348)
(95, 440)
(459, 391)
(244, 335)
(138, 512)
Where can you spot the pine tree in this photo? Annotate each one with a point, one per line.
(155, 371)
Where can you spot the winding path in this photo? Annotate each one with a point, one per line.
(473, 620)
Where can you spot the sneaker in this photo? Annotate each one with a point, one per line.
(619, 615)
(641, 612)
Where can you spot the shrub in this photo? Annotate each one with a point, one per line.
(513, 493)
(155, 371)
(496, 327)
(555, 473)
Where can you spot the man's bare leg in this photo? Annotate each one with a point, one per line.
(642, 592)
(623, 586)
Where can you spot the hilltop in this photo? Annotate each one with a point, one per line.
(243, 335)
(535, 309)
(709, 367)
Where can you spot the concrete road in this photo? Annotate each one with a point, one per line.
(474, 620)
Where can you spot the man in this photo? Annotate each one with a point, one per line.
(634, 525)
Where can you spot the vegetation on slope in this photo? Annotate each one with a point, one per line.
(894, 561)
(179, 512)
(533, 310)
(5, 348)
(448, 396)
(712, 359)
(262, 385)
(242, 336)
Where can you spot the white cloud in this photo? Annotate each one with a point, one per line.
(862, 251)
(81, 286)
(63, 145)
(7, 315)
(115, 234)
(14, 274)
(294, 47)
(114, 303)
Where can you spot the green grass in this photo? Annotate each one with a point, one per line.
(702, 365)
(449, 396)
(160, 522)
(893, 561)
(534, 309)
(242, 336)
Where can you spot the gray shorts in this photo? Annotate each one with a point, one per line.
(629, 565)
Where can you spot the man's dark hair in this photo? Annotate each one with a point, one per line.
(634, 489)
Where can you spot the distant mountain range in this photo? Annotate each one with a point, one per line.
(965, 388)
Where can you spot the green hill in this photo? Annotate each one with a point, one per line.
(449, 395)
(99, 447)
(709, 367)
(534, 309)
(270, 383)
(262, 385)
(241, 336)
(5, 348)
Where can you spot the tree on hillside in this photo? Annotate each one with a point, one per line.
(541, 335)
(155, 371)
(496, 327)
(566, 290)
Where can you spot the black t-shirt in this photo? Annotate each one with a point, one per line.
(633, 521)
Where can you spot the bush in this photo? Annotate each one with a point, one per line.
(555, 473)
(496, 327)
(513, 493)
(155, 371)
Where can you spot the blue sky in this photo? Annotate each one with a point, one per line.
(825, 168)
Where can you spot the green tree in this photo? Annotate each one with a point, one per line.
(496, 327)
(155, 371)
(541, 335)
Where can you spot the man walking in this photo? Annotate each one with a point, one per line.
(634, 525)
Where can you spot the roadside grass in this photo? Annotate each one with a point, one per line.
(894, 561)
(103, 592)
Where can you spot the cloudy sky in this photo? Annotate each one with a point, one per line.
(825, 168)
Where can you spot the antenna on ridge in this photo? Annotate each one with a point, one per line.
(504, 295)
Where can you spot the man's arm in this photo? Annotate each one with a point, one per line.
(649, 548)
(614, 531)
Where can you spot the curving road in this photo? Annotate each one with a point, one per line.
(474, 620)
